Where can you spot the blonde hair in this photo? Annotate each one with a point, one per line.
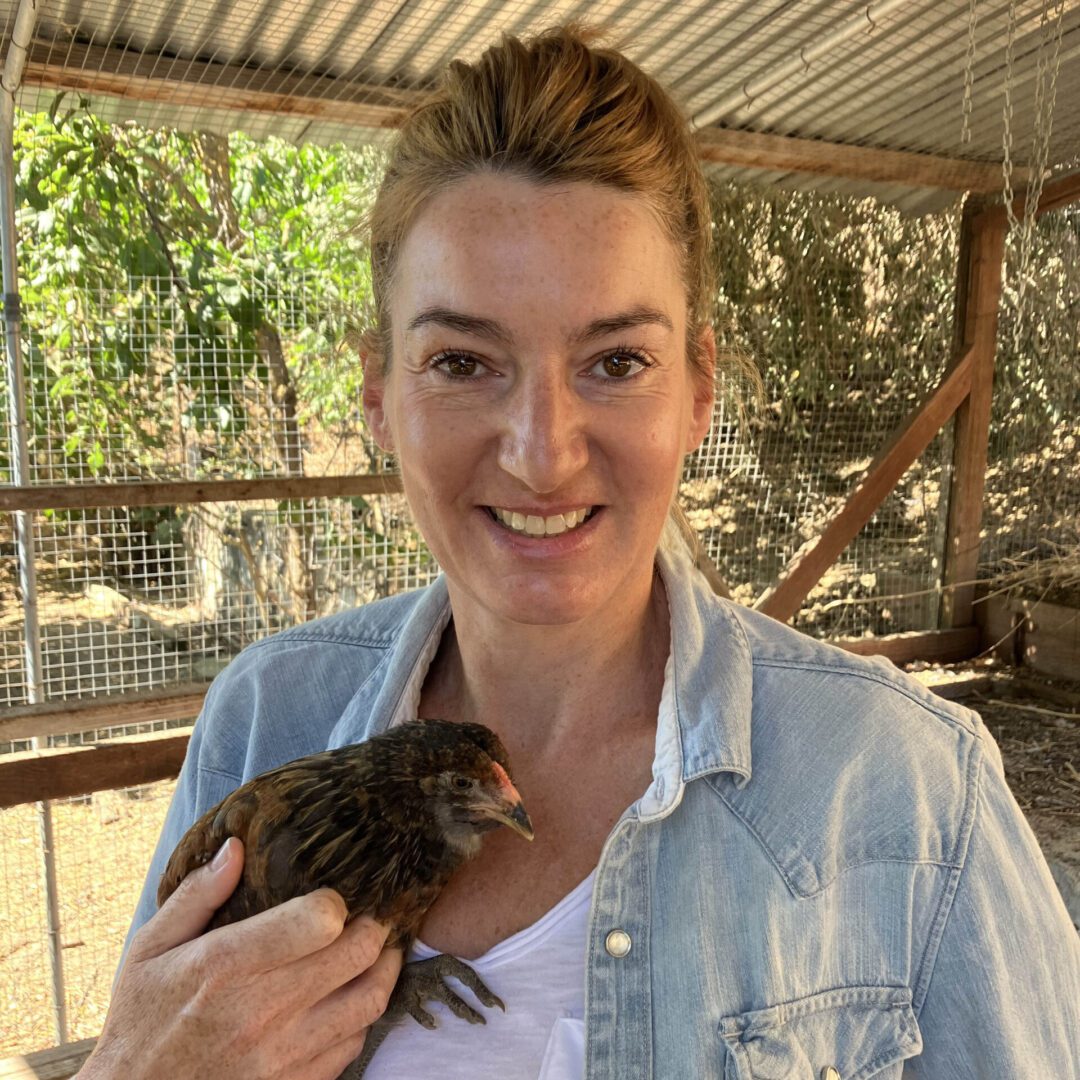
(553, 108)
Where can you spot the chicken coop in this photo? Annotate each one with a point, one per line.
(184, 466)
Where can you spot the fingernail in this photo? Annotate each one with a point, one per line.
(221, 858)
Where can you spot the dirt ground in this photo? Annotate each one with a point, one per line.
(103, 846)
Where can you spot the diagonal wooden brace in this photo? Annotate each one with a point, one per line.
(905, 445)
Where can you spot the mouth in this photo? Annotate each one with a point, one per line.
(538, 526)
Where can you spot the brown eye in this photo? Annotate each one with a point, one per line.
(621, 365)
(457, 365)
(617, 366)
(462, 783)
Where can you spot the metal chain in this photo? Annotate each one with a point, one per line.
(1006, 134)
(1046, 76)
(969, 74)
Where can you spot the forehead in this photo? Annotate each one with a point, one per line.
(564, 253)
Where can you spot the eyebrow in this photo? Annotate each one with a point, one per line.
(457, 320)
(495, 331)
(636, 316)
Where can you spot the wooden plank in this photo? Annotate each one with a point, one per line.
(185, 492)
(785, 153)
(56, 1063)
(109, 710)
(1059, 193)
(1032, 633)
(81, 770)
(203, 84)
(978, 297)
(935, 646)
(909, 440)
(954, 685)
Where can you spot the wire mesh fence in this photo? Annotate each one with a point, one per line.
(1032, 508)
(102, 845)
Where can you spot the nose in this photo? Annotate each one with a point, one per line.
(544, 444)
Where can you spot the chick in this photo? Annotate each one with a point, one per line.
(385, 823)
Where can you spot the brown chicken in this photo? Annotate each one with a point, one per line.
(385, 823)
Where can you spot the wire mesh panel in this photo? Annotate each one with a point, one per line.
(845, 308)
(131, 600)
(102, 845)
(1031, 533)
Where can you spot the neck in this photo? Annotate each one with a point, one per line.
(541, 687)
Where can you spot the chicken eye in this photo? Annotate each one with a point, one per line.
(462, 783)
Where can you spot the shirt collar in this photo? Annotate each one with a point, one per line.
(703, 725)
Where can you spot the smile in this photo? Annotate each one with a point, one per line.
(535, 525)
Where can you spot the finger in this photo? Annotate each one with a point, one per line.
(332, 1062)
(359, 1003)
(191, 906)
(282, 935)
(311, 978)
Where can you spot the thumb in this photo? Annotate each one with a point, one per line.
(191, 906)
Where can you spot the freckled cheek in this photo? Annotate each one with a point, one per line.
(440, 451)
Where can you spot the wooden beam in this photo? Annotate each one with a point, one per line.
(909, 440)
(93, 714)
(56, 1063)
(982, 249)
(785, 153)
(1031, 633)
(202, 84)
(184, 492)
(935, 646)
(1059, 193)
(81, 770)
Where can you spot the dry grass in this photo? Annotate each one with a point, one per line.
(1051, 572)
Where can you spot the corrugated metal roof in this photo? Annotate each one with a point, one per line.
(893, 80)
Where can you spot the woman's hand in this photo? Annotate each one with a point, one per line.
(287, 993)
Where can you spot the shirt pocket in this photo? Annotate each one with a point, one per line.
(857, 1031)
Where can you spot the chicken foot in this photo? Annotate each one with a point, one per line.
(420, 982)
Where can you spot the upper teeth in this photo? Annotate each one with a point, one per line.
(535, 525)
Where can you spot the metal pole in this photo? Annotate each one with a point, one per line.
(20, 465)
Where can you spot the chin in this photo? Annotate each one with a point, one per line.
(545, 604)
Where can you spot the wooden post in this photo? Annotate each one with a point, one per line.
(978, 294)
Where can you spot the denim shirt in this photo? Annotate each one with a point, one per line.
(827, 870)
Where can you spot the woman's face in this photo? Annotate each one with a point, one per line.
(539, 398)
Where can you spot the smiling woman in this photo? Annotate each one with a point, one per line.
(754, 855)
(540, 379)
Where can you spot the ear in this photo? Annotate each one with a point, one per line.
(703, 377)
(374, 395)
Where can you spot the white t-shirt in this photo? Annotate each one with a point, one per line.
(540, 975)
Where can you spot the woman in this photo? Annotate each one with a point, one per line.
(755, 855)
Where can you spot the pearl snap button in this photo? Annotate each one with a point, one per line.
(829, 1073)
(617, 943)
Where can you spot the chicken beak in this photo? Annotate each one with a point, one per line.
(518, 820)
(506, 806)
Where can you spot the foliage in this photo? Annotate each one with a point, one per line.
(125, 247)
